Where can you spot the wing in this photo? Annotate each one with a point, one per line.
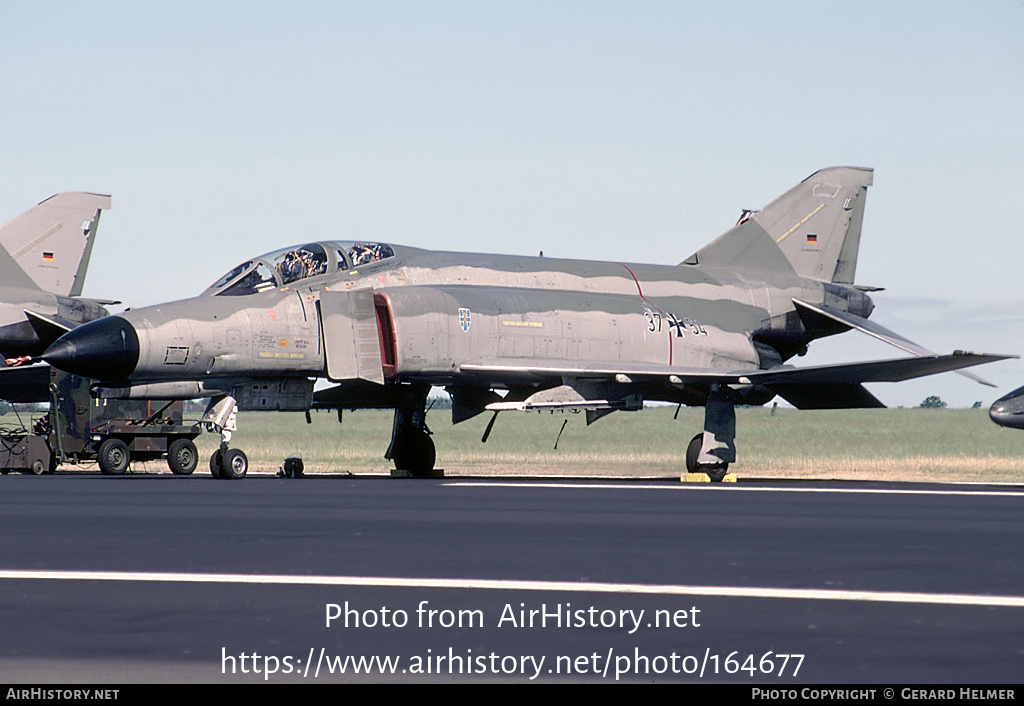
(895, 370)
(590, 385)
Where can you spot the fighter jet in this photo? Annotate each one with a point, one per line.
(386, 322)
(44, 256)
(1008, 410)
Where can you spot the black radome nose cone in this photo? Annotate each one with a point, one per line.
(1008, 410)
(106, 349)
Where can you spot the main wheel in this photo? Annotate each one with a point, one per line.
(415, 453)
(39, 467)
(182, 457)
(114, 457)
(717, 472)
(693, 452)
(234, 465)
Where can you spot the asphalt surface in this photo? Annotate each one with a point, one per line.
(197, 580)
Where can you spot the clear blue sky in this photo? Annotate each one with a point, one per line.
(606, 130)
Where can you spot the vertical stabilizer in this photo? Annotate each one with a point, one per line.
(51, 243)
(816, 226)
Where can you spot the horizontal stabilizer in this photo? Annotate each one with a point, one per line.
(48, 328)
(878, 331)
(865, 326)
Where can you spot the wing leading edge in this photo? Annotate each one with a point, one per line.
(836, 386)
(895, 370)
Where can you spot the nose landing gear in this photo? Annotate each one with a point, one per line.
(221, 416)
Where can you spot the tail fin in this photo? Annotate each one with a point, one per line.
(816, 226)
(51, 243)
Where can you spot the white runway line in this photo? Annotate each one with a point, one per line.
(729, 488)
(507, 585)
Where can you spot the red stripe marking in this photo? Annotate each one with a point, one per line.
(641, 292)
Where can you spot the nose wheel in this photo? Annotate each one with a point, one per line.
(229, 464)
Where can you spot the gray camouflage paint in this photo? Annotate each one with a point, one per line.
(470, 320)
(43, 261)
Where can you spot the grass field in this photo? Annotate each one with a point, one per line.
(893, 444)
(896, 444)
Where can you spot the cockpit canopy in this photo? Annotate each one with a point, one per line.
(287, 265)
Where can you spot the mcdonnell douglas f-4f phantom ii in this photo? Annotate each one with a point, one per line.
(387, 322)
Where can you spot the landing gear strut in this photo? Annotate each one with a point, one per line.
(411, 447)
(714, 449)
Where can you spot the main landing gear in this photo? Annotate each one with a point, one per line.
(221, 417)
(411, 447)
(714, 449)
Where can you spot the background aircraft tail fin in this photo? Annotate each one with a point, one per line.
(815, 226)
(51, 243)
(12, 275)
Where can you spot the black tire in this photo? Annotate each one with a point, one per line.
(415, 453)
(114, 457)
(39, 467)
(234, 465)
(216, 460)
(716, 473)
(182, 457)
(693, 452)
